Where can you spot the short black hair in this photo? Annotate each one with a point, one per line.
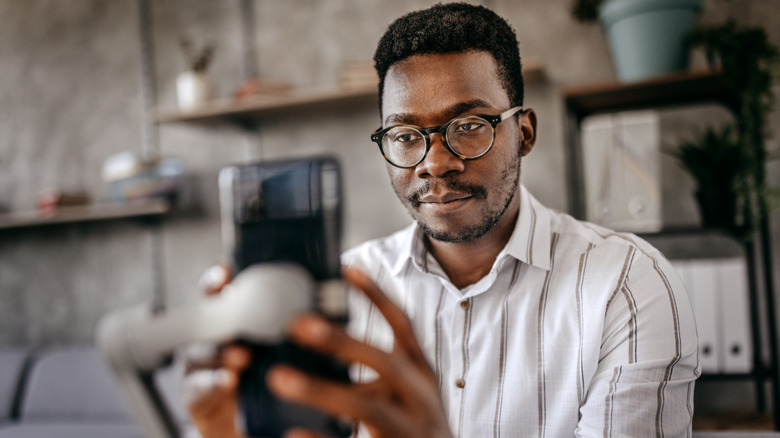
(452, 28)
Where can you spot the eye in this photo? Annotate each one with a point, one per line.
(471, 125)
(404, 136)
(468, 126)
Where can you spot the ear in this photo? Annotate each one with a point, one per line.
(527, 120)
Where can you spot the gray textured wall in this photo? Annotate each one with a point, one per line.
(70, 98)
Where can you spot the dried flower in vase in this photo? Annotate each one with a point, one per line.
(197, 60)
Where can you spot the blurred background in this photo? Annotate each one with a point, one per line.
(83, 81)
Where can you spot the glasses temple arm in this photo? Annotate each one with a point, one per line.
(510, 112)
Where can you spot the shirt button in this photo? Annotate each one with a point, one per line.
(464, 305)
(460, 383)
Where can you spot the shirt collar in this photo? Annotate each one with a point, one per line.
(412, 248)
(529, 243)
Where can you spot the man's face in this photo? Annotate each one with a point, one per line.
(451, 199)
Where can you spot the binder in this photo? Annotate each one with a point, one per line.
(699, 279)
(736, 347)
(621, 166)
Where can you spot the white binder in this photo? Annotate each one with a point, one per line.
(736, 343)
(699, 279)
(621, 165)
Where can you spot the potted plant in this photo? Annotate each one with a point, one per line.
(646, 37)
(749, 63)
(193, 86)
(717, 163)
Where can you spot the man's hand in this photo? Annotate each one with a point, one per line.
(403, 402)
(212, 377)
(210, 392)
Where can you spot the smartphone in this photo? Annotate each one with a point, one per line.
(287, 211)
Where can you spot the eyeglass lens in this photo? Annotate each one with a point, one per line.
(468, 137)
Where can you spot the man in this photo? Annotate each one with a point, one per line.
(496, 316)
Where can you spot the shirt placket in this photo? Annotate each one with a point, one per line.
(456, 379)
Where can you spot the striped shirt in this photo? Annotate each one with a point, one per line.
(576, 331)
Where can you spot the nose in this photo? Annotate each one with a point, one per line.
(440, 161)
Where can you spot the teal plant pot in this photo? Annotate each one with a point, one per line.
(647, 37)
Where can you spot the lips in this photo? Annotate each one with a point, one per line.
(445, 194)
(444, 198)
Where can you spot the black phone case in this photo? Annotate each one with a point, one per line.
(264, 415)
(284, 211)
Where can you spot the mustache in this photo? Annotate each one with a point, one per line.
(474, 190)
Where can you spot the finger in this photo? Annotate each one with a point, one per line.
(199, 385)
(200, 355)
(333, 398)
(213, 411)
(313, 331)
(214, 279)
(235, 357)
(402, 328)
(206, 393)
(304, 433)
(399, 373)
(209, 356)
(208, 379)
(210, 398)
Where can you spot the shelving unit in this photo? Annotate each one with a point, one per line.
(87, 213)
(681, 89)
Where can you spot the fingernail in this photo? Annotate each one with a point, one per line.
(296, 433)
(236, 357)
(214, 276)
(200, 382)
(285, 381)
(316, 329)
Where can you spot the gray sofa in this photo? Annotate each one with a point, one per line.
(13, 363)
(69, 392)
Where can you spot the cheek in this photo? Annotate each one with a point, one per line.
(397, 178)
(512, 139)
(504, 171)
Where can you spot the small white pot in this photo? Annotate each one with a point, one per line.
(193, 90)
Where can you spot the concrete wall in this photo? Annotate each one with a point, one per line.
(70, 96)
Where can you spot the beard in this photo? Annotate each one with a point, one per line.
(508, 182)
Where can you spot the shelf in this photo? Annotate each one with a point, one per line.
(689, 230)
(248, 111)
(724, 377)
(671, 90)
(252, 109)
(97, 212)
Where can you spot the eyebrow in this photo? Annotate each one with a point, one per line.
(453, 111)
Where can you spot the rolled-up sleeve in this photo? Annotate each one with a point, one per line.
(648, 362)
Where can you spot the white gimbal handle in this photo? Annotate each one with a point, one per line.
(256, 306)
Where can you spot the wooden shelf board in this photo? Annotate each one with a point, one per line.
(682, 88)
(96, 212)
(687, 230)
(272, 105)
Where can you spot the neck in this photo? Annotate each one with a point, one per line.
(467, 262)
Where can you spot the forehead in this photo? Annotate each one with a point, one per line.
(429, 86)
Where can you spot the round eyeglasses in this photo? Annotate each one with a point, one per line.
(467, 137)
